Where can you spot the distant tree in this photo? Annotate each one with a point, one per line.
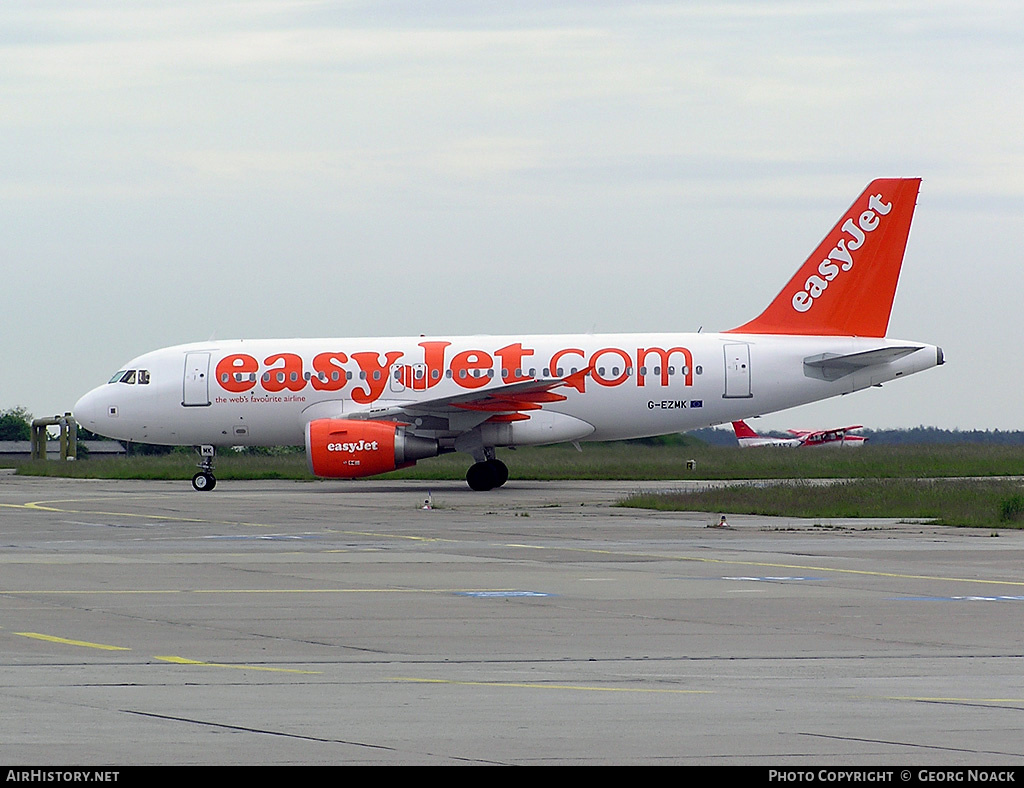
(89, 435)
(714, 436)
(145, 449)
(675, 439)
(15, 424)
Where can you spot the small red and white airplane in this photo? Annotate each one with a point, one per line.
(838, 437)
(367, 406)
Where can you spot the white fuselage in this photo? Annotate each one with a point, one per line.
(264, 392)
(839, 442)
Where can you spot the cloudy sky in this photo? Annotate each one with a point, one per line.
(175, 171)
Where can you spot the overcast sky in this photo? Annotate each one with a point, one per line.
(175, 171)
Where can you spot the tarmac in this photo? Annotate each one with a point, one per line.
(287, 623)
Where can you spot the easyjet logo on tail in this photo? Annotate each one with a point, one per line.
(841, 257)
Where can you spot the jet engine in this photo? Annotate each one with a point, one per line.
(349, 449)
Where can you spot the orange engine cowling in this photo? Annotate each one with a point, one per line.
(348, 449)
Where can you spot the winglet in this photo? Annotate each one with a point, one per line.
(847, 286)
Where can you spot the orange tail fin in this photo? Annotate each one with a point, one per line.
(742, 430)
(847, 286)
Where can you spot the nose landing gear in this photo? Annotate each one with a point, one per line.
(205, 480)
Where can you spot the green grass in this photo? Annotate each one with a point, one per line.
(637, 462)
(886, 479)
(171, 466)
(988, 503)
(627, 461)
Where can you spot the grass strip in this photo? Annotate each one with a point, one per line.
(622, 460)
(979, 503)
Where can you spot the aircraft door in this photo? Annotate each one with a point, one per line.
(419, 377)
(196, 386)
(397, 379)
(412, 376)
(737, 371)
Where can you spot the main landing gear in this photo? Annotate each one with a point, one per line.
(205, 480)
(487, 475)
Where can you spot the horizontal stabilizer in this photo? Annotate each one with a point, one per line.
(832, 366)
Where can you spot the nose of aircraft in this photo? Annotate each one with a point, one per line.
(87, 410)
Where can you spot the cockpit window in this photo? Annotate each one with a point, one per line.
(130, 376)
(140, 376)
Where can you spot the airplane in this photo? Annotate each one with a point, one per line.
(835, 437)
(367, 406)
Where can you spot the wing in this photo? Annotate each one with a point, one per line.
(462, 412)
(813, 435)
